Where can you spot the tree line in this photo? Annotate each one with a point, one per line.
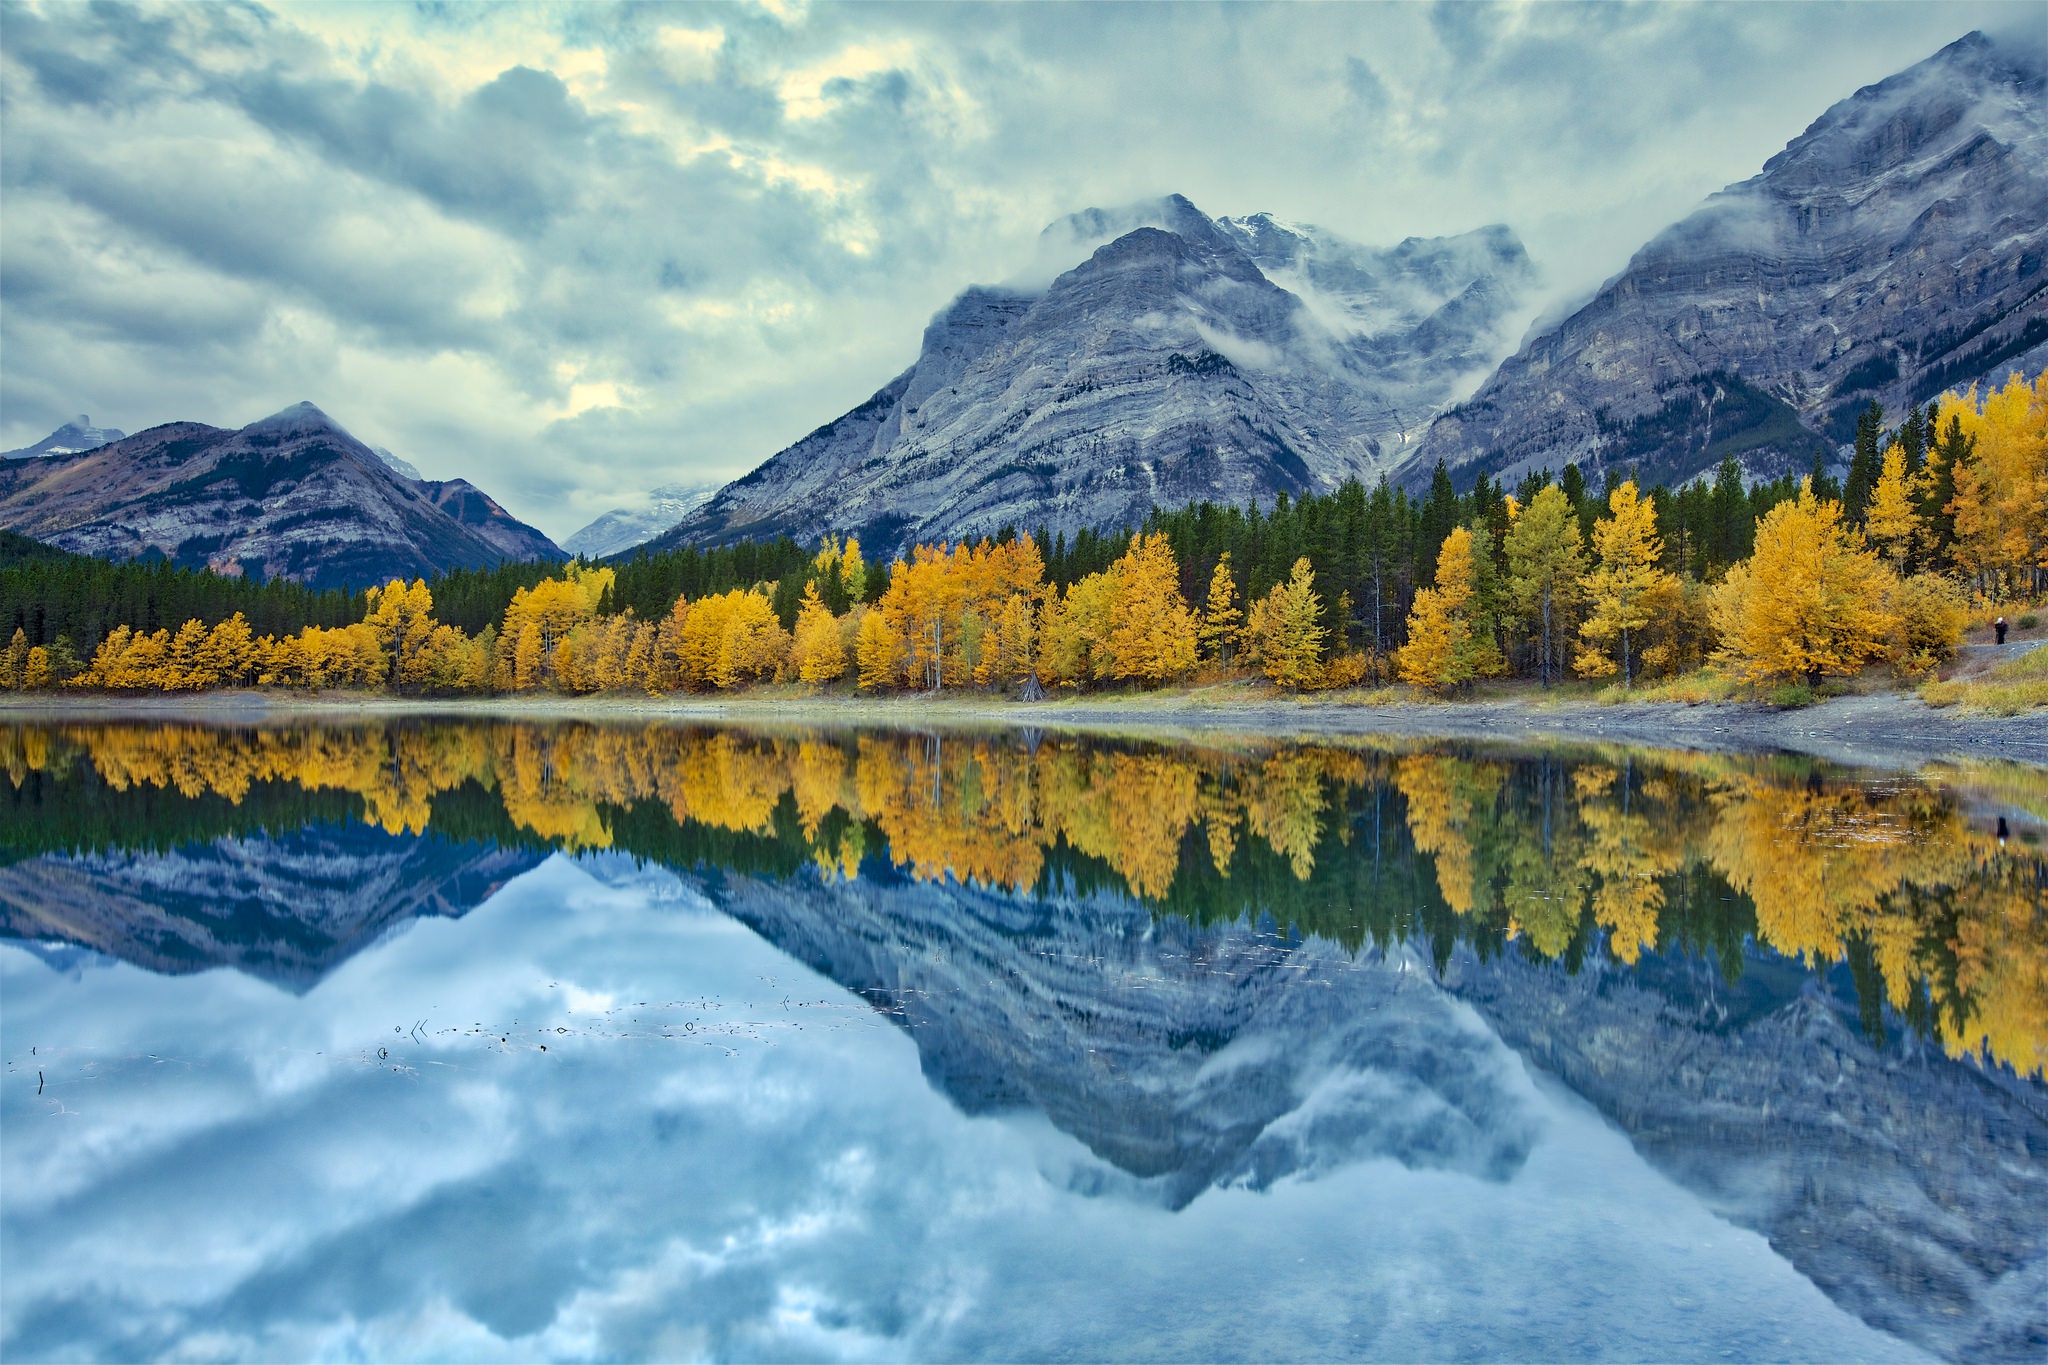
(1793, 579)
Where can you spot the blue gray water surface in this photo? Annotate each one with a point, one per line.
(332, 1092)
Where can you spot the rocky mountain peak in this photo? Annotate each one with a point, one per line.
(293, 495)
(74, 436)
(1892, 250)
(1155, 359)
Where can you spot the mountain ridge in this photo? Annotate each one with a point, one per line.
(291, 495)
(1889, 252)
(1166, 365)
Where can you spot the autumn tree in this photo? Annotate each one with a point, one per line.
(1621, 589)
(1893, 520)
(817, 654)
(1151, 632)
(1811, 602)
(1441, 651)
(403, 618)
(2000, 504)
(1222, 620)
(1286, 632)
(1546, 563)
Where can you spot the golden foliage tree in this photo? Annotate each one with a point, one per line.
(1440, 652)
(1285, 632)
(1893, 519)
(1222, 619)
(2001, 489)
(817, 653)
(1810, 603)
(1621, 590)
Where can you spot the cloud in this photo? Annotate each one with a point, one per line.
(741, 216)
(222, 1169)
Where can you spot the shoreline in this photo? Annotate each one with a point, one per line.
(1881, 730)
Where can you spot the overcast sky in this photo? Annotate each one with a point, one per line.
(572, 252)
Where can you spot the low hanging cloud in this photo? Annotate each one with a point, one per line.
(572, 252)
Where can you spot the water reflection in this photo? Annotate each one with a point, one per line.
(1815, 1001)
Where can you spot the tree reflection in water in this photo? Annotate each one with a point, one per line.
(1939, 918)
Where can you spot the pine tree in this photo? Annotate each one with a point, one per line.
(1864, 465)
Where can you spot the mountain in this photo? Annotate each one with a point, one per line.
(74, 436)
(1910, 1187)
(1182, 357)
(291, 496)
(288, 908)
(404, 467)
(472, 508)
(1892, 250)
(622, 528)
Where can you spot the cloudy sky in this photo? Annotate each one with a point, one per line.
(571, 252)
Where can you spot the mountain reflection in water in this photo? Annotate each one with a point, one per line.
(1817, 1000)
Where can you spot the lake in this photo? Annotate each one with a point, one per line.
(472, 1040)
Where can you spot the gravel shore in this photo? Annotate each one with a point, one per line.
(1879, 730)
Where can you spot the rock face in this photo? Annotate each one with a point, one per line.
(1912, 1189)
(1184, 357)
(74, 436)
(1892, 250)
(472, 508)
(286, 908)
(622, 528)
(291, 496)
(1183, 1058)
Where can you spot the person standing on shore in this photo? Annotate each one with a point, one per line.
(1999, 626)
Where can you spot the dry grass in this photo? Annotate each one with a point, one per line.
(1692, 689)
(2018, 685)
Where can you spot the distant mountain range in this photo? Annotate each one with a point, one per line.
(76, 435)
(1157, 355)
(622, 528)
(1891, 251)
(292, 496)
(1183, 357)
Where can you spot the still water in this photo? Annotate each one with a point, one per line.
(446, 1041)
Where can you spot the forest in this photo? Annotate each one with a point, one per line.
(1795, 580)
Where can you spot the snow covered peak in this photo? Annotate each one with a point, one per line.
(78, 434)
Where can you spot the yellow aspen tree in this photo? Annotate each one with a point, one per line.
(36, 674)
(817, 654)
(1810, 602)
(403, 618)
(1621, 589)
(878, 653)
(1546, 565)
(1291, 650)
(14, 661)
(1152, 634)
(526, 653)
(1893, 519)
(1440, 652)
(1222, 621)
(227, 657)
(2001, 497)
(175, 671)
